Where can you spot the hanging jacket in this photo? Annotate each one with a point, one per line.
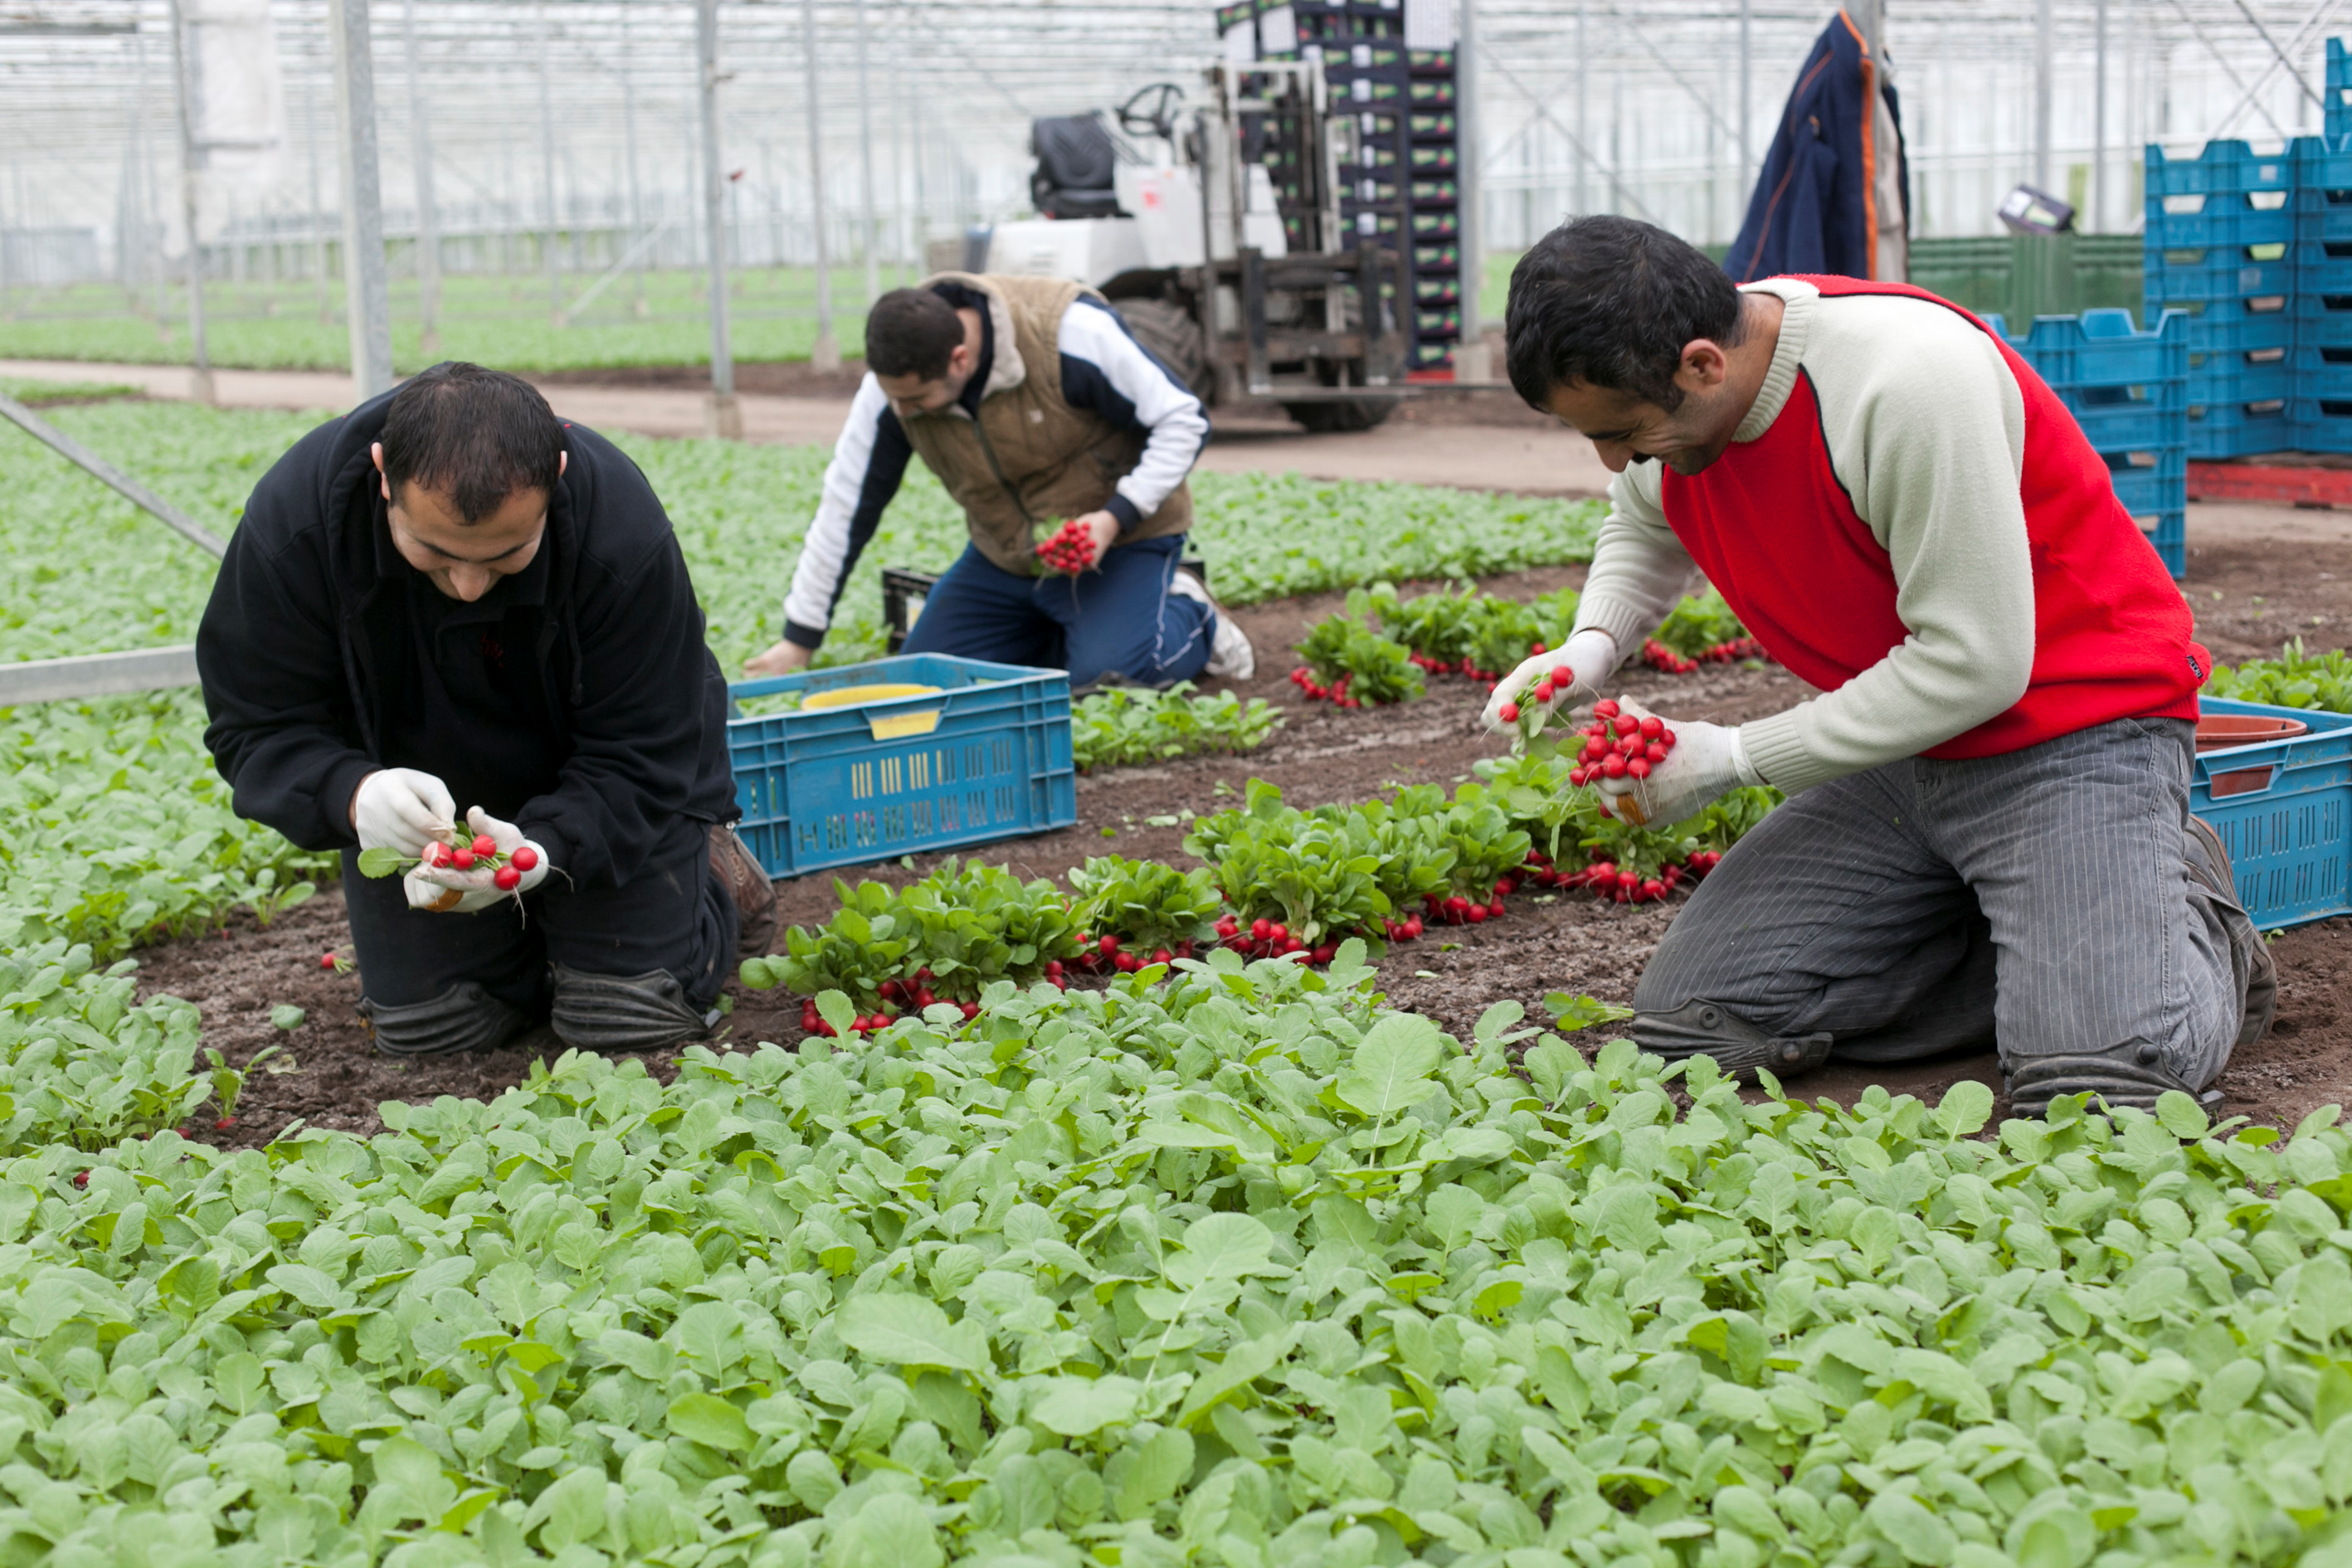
(308, 658)
(1835, 193)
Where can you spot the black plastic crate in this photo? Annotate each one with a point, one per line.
(1426, 126)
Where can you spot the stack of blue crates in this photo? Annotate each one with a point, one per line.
(2129, 389)
(2220, 247)
(2256, 247)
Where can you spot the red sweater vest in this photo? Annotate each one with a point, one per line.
(1776, 532)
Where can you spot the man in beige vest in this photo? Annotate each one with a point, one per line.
(1033, 405)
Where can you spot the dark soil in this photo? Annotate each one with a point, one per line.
(327, 1073)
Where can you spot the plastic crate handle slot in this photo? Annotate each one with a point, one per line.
(2242, 781)
(898, 726)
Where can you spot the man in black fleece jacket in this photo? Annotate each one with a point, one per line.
(448, 599)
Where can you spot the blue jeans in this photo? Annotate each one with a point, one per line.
(1119, 619)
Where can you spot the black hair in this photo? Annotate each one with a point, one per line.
(476, 436)
(911, 332)
(1610, 301)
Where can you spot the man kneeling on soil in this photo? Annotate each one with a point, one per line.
(1032, 402)
(1987, 841)
(449, 597)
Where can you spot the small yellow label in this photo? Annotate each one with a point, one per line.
(898, 726)
(851, 696)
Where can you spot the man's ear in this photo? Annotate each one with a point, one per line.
(383, 481)
(1705, 365)
(562, 461)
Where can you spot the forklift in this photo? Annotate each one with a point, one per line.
(1217, 235)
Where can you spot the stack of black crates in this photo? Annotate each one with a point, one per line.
(1399, 190)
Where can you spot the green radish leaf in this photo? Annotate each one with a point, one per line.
(835, 1009)
(287, 1017)
(1078, 1406)
(382, 861)
(912, 1332)
(710, 1421)
(1389, 1071)
(1966, 1106)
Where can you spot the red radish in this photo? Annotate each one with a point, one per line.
(81, 1178)
(1279, 931)
(1494, 910)
(1612, 766)
(1476, 914)
(1638, 768)
(507, 878)
(1654, 890)
(523, 859)
(463, 859)
(434, 851)
(485, 845)
(1534, 647)
(1543, 690)
(1604, 708)
(1510, 712)
(1109, 943)
(327, 961)
(225, 1123)
(1161, 955)
(1655, 751)
(1325, 953)
(1653, 727)
(1576, 776)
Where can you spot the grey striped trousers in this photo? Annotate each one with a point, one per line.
(2036, 901)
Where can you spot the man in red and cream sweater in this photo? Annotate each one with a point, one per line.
(1987, 840)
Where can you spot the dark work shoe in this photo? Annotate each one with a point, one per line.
(1703, 1028)
(2250, 964)
(624, 1012)
(2128, 1075)
(463, 1018)
(732, 862)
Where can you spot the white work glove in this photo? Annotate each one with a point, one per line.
(1589, 657)
(446, 890)
(400, 809)
(1705, 763)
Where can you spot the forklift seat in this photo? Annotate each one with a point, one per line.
(1075, 159)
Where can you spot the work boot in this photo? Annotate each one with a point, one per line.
(1703, 1028)
(463, 1018)
(2251, 968)
(1231, 658)
(740, 871)
(625, 1012)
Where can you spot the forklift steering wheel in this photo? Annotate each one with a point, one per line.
(1160, 119)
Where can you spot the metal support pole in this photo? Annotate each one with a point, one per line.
(1584, 125)
(726, 420)
(629, 141)
(318, 217)
(865, 153)
(1471, 360)
(1747, 87)
(367, 308)
(547, 180)
(2099, 123)
(898, 242)
(106, 473)
(2043, 28)
(200, 378)
(428, 220)
(827, 355)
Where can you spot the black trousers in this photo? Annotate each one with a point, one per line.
(674, 916)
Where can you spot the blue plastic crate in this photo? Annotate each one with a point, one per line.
(2178, 286)
(2101, 348)
(2235, 430)
(2227, 221)
(2319, 424)
(2132, 424)
(2238, 332)
(2322, 163)
(2150, 482)
(986, 757)
(2170, 536)
(2322, 214)
(2283, 811)
(2225, 167)
(2239, 386)
(2339, 91)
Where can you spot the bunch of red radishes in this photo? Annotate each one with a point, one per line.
(1618, 745)
(482, 850)
(1561, 678)
(1070, 551)
(1666, 660)
(1265, 937)
(1732, 652)
(1460, 909)
(1612, 885)
(1409, 929)
(912, 995)
(1335, 693)
(1108, 955)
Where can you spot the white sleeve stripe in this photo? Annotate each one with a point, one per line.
(1165, 407)
(824, 550)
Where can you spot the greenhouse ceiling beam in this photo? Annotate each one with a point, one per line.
(2222, 60)
(2317, 21)
(2279, 55)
